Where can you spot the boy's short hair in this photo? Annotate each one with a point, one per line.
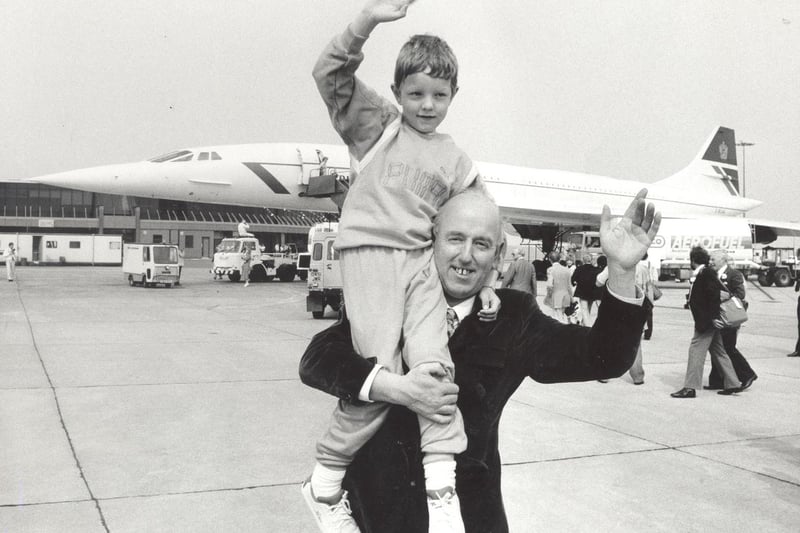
(429, 54)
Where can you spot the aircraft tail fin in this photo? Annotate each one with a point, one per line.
(714, 169)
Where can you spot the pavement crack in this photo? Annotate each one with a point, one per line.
(54, 392)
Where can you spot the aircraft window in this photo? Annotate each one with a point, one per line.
(215, 156)
(170, 156)
(203, 156)
(184, 158)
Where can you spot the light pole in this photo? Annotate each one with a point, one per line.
(744, 145)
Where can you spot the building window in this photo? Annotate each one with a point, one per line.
(158, 238)
(189, 241)
(74, 244)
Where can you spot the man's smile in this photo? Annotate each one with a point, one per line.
(461, 271)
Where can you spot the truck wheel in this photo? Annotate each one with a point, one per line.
(302, 274)
(765, 279)
(286, 272)
(235, 276)
(269, 278)
(258, 273)
(144, 281)
(782, 278)
(130, 280)
(318, 314)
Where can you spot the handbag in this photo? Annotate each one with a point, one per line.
(732, 312)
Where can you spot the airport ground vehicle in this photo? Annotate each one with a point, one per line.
(670, 249)
(64, 248)
(322, 262)
(263, 266)
(150, 264)
(778, 267)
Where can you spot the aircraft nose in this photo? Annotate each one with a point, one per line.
(95, 179)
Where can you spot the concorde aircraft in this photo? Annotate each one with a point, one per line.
(540, 204)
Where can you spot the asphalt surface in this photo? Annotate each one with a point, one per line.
(152, 409)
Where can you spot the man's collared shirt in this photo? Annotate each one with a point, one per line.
(462, 310)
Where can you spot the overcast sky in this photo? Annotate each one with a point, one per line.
(628, 89)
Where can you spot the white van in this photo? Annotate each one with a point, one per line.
(150, 264)
(322, 262)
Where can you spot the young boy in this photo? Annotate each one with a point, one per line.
(402, 172)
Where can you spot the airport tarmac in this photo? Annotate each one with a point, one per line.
(127, 409)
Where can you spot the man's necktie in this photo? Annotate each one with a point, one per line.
(452, 321)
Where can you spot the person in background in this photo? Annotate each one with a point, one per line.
(583, 279)
(559, 286)
(643, 283)
(10, 256)
(704, 301)
(733, 282)
(600, 285)
(520, 274)
(243, 229)
(247, 257)
(796, 352)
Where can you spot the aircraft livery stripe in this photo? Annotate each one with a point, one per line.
(726, 180)
(267, 177)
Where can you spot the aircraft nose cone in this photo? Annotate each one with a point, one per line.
(95, 179)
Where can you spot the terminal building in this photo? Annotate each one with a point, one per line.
(39, 210)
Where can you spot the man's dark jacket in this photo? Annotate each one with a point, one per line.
(386, 481)
(704, 299)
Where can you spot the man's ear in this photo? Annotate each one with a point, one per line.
(501, 253)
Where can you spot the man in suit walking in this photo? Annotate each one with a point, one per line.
(385, 481)
(704, 304)
(733, 281)
(520, 274)
(583, 278)
(796, 352)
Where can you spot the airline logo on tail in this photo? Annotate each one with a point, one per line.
(721, 148)
(722, 151)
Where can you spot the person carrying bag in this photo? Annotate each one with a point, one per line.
(732, 309)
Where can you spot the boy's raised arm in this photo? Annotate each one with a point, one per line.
(358, 113)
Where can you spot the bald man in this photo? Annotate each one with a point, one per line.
(733, 281)
(385, 481)
(520, 275)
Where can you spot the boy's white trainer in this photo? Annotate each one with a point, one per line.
(444, 512)
(330, 518)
